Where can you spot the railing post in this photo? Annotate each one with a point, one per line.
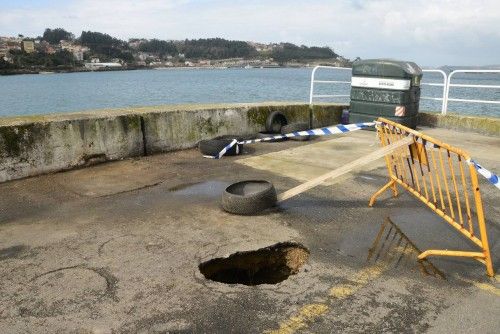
(449, 85)
(311, 92)
(313, 81)
(445, 85)
(445, 108)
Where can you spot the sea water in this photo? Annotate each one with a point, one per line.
(69, 92)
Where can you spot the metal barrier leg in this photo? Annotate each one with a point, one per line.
(481, 257)
(391, 184)
(482, 223)
(437, 252)
(395, 189)
(489, 265)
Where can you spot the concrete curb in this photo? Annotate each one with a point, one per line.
(482, 125)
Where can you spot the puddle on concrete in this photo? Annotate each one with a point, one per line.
(269, 265)
(12, 252)
(182, 186)
(207, 188)
(366, 177)
(392, 247)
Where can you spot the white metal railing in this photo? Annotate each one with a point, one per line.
(449, 84)
(311, 92)
(446, 84)
(443, 97)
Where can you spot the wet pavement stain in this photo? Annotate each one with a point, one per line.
(202, 189)
(183, 186)
(12, 252)
(394, 247)
(390, 249)
(68, 289)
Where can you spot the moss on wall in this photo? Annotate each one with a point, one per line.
(258, 115)
(326, 115)
(296, 113)
(16, 140)
(10, 140)
(322, 115)
(130, 122)
(209, 125)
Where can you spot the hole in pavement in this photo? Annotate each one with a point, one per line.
(269, 265)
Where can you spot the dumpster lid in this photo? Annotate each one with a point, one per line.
(386, 68)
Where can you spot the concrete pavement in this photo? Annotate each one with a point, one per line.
(115, 248)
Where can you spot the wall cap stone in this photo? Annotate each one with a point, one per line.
(113, 112)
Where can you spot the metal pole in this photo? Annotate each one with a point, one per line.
(445, 107)
(311, 92)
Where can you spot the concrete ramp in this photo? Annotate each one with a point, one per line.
(308, 161)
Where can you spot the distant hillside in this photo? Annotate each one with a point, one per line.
(58, 49)
(450, 68)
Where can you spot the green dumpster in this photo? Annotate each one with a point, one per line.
(385, 88)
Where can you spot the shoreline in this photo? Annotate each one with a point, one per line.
(83, 69)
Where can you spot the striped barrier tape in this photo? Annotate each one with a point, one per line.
(224, 150)
(314, 132)
(493, 178)
(331, 130)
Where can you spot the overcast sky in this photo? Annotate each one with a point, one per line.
(429, 32)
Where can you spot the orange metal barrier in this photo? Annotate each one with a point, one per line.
(436, 173)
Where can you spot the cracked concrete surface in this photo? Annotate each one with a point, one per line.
(115, 248)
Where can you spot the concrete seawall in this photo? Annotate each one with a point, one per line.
(34, 145)
(483, 125)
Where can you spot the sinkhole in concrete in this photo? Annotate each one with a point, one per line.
(269, 265)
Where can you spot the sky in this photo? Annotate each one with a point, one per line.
(429, 32)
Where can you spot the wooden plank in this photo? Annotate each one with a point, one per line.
(381, 152)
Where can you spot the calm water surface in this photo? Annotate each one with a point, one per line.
(68, 92)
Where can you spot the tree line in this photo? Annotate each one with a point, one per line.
(37, 60)
(107, 47)
(216, 48)
(290, 52)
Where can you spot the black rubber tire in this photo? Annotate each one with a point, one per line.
(234, 200)
(212, 147)
(238, 138)
(262, 135)
(296, 127)
(275, 121)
